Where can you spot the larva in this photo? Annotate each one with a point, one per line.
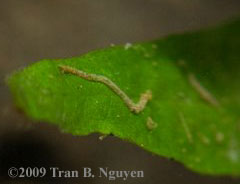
(134, 107)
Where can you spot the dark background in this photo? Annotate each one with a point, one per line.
(31, 30)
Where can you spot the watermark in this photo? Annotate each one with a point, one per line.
(85, 172)
(28, 172)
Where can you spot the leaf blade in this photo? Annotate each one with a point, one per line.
(189, 129)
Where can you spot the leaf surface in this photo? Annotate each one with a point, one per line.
(178, 70)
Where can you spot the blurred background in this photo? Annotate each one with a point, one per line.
(33, 30)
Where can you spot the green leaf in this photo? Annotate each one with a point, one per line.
(195, 106)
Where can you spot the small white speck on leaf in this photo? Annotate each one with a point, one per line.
(146, 55)
(63, 116)
(204, 139)
(233, 151)
(197, 159)
(181, 95)
(219, 137)
(181, 63)
(184, 150)
(154, 46)
(151, 124)
(127, 46)
(154, 63)
(50, 76)
(233, 155)
(45, 91)
(102, 137)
